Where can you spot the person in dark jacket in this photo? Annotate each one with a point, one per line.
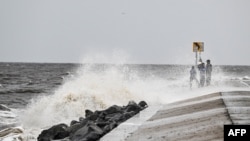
(202, 70)
(208, 72)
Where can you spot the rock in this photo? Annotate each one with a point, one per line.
(88, 113)
(113, 109)
(94, 125)
(73, 122)
(128, 115)
(109, 127)
(81, 119)
(143, 104)
(89, 132)
(132, 106)
(55, 132)
(93, 116)
(115, 117)
(72, 129)
(102, 124)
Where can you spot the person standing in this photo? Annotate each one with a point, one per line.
(193, 76)
(202, 70)
(199, 64)
(208, 72)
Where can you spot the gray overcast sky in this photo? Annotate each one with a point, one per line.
(147, 31)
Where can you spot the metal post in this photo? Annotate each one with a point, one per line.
(196, 55)
(200, 55)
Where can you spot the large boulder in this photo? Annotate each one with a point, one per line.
(88, 113)
(55, 132)
(132, 106)
(89, 132)
(73, 128)
(113, 110)
(143, 104)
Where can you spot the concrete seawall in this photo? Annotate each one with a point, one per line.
(196, 119)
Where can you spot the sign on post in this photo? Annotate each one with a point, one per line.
(198, 46)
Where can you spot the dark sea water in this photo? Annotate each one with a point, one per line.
(20, 82)
(38, 95)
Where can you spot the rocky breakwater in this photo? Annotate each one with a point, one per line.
(94, 125)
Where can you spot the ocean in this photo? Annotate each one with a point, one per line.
(39, 95)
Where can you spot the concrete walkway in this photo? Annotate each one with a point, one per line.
(196, 119)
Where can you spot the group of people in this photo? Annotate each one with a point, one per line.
(205, 74)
